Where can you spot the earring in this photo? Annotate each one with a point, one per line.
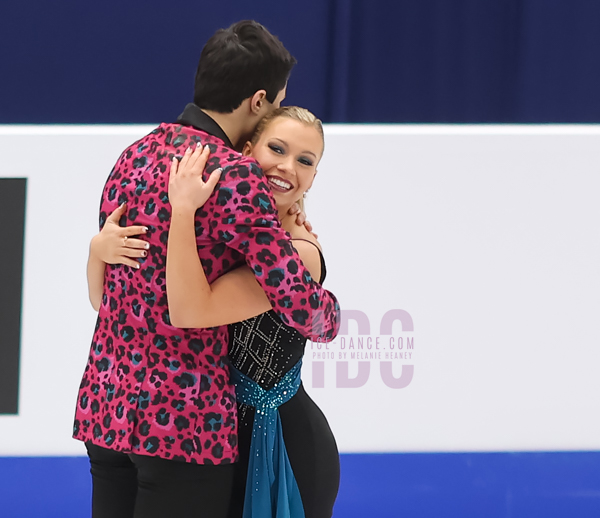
(305, 193)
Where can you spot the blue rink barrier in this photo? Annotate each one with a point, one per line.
(416, 485)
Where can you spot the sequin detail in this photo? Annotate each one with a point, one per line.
(271, 489)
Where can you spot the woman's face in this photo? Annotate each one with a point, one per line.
(288, 152)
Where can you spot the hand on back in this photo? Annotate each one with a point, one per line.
(117, 245)
(187, 190)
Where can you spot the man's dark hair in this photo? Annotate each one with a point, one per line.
(237, 62)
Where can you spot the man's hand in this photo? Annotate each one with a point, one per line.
(301, 218)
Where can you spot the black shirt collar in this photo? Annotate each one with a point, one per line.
(193, 116)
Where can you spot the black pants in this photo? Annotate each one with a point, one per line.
(139, 486)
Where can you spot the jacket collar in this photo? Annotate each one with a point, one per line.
(194, 116)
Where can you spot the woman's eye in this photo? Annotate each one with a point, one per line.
(305, 161)
(276, 149)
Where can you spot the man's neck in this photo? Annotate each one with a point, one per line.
(231, 125)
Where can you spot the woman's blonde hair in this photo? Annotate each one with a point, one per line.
(291, 112)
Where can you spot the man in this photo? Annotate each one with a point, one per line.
(156, 409)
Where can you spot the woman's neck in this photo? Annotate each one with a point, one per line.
(288, 221)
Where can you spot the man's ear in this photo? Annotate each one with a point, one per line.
(247, 151)
(257, 101)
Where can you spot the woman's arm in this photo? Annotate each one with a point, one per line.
(113, 245)
(233, 297)
(95, 277)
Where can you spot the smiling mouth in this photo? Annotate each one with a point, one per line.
(279, 184)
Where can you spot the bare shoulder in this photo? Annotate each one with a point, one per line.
(300, 233)
(309, 250)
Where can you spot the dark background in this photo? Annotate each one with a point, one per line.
(462, 61)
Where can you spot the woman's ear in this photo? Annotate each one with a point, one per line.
(257, 101)
(312, 180)
(247, 151)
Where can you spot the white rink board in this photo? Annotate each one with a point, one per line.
(487, 236)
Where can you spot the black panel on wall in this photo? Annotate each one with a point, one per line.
(12, 232)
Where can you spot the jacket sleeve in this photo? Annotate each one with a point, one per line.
(242, 214)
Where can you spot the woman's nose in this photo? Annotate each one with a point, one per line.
(286, 165)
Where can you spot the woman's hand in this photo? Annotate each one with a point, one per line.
(115, 244)
(187, 190)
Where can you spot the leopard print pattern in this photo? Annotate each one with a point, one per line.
(150, 388)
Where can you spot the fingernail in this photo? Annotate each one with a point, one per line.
(137, 266)
(145, 229)
(122, 205)
(199, 144)
(147, 246)
(144, 253)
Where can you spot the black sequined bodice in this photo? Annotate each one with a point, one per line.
(264, 348)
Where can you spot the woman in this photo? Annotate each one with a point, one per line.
(265, 354)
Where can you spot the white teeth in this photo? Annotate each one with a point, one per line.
(280, 183)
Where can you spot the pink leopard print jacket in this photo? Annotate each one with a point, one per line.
(153, 389)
